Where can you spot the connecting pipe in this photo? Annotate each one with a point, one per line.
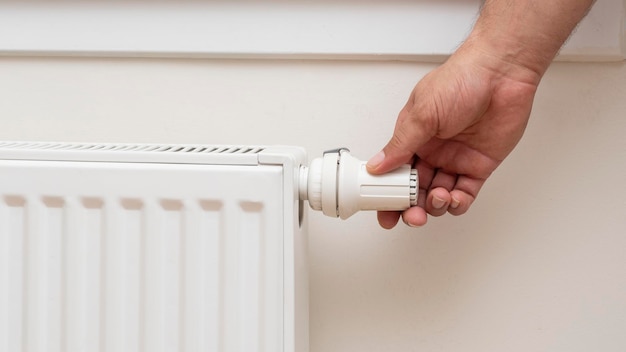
(339, 185)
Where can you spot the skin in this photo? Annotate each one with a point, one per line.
(465, 117)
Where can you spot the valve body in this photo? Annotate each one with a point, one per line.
(339, 185)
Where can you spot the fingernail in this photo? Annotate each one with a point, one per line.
(438, 203)
(376, 160)
(410, 225)
(455, 203)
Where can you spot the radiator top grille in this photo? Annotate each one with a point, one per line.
(153, 148)
(127, 152)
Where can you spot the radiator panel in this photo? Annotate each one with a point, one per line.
(140, 257)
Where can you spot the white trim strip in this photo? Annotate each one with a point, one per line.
(426, 30)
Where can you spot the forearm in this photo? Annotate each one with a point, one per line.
(526, 33)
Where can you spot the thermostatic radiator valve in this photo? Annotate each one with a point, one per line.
(339, 185)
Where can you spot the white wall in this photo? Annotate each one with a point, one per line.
(538, 264)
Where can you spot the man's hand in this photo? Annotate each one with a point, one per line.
(466, 116)
(460, 122)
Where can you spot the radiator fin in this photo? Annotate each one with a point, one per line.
(202, 301)
(44, 274)
(12, 248)
(122, 282)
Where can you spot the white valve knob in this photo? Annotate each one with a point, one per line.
(339, 185)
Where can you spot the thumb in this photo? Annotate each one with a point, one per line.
(409, 135)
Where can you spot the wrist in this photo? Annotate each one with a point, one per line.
(513, 52)
(524, 36)
(503, 60)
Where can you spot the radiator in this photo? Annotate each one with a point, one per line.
(131, 247)
(123, 247)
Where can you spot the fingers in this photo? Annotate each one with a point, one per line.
(411, 132)
(464, 193)
(439, 197)
(455, 200)
(388, 219)
(461, 202)
(438, 201)
(439, 193)
(414, 217)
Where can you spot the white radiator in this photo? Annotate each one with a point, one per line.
(151, 248)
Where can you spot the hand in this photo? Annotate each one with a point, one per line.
(460, 122)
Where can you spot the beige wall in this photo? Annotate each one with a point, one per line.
(538, 264)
